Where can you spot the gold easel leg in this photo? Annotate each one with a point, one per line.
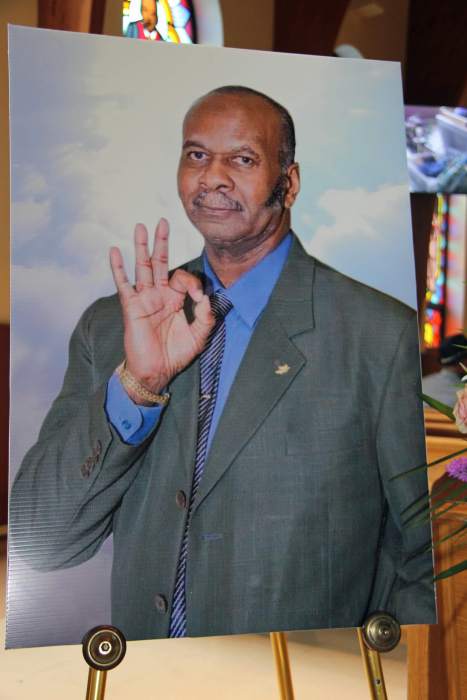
(373, 670)
(281, 656)
(96, 684)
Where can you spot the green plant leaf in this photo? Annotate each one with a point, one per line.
(435, 511)
(439, 406)
(434, 515)
(426, 496)
(458, 534)
(461, 490)
(462, 566)
(426, 465)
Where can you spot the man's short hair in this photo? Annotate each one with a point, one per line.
(287, 142)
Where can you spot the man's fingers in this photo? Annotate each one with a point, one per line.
(143, 268)
(203, 312)
(124, 288)
(203, 321)
(186, 283)
(160, 254)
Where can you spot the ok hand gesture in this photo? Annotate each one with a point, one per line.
(159, 342)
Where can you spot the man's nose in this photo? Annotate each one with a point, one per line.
(215, 175)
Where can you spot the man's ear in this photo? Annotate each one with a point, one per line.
(293, 185)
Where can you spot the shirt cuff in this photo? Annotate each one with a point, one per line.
(132, 422)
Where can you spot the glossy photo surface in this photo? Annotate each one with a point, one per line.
(244, 483)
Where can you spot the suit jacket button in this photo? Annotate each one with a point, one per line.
(180, 499)
(161, 604)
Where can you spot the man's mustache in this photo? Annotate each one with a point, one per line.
(216, 200)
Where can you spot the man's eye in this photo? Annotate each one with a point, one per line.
(196, 155)
(243, 160)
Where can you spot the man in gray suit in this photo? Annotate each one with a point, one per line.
(278, 511)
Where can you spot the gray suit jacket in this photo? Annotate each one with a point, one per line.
(297, 523)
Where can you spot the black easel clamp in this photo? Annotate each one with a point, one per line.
(104, 647)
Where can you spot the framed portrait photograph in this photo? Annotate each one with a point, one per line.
(215, 362)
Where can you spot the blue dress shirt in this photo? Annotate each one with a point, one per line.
(249, 296)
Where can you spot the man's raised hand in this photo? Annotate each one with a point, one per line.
(159, 341)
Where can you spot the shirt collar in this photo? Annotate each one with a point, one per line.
(250, 293)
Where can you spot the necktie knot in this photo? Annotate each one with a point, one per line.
(220, 305)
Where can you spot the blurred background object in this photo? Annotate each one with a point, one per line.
(443, 384)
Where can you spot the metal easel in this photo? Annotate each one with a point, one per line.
(380, 633)
(104, 648)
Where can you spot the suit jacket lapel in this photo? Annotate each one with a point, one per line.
(271, 363)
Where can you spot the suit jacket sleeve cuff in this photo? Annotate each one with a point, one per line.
(133, 423)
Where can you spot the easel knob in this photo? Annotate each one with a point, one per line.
(103, 648)
(381, 632)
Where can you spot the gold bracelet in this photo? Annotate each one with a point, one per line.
(130, 382)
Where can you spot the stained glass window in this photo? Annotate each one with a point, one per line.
(159, 20)
(436, 275)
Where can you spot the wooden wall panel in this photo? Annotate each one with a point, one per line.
(247, 24)
(97, 16)
(72, 15)
(307, 27)
(436, 55)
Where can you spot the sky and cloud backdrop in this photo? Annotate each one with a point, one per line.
(95, 140)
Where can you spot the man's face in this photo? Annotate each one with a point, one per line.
(229, 176)
(149, 14)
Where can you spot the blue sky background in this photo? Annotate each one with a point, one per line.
(95, 138)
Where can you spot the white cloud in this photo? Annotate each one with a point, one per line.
(30, 218)
(358, 214)
(34, 183)
(31, 208)
(369, 238)
(54, 298)
(88, 242)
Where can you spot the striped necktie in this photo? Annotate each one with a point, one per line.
(210, 365)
